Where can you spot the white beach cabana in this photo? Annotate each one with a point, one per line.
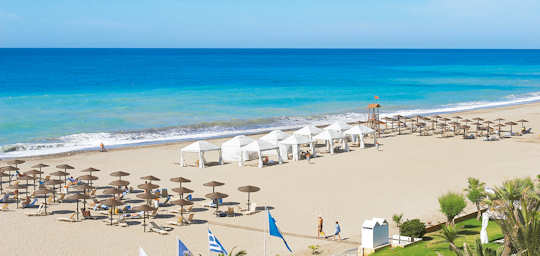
(329, 136)
(260, 146)
(309, 131)
(232, 149)
(275, 137)
(374, 233)
(358, 132)
(295, 141)
(200, 147)
(339, 126)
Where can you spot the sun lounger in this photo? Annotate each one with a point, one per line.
(162, 230)
(189, 219)
(179, 221)
(230, 212)
(527, 131)
(166, 201)
(5, 207)
(40, 211)
(61, 197)
(31, 204)
(70, 219)
(253, 209)
(491, 138)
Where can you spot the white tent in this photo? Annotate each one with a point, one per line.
(309, 131)
(260, 146)
(232, 149)
(295, 141)
(359, 131)
(329, 136)
(275, 137)
(339, 126)
(200, 147)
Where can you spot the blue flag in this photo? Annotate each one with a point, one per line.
(214, 244)
(274, 231)
(182, 249)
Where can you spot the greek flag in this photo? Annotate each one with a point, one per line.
(273, 230)
(182, 249)
(214, 244)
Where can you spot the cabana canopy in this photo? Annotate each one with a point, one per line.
(359, 131)
(295, 141)
(200, 147)
(232, 148)
(329, 136)
(309, 131)
(275, 137)
(339, 126)
(260, 146)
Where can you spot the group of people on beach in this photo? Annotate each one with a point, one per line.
(321, 233)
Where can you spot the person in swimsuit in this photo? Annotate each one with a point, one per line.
(320, 228)
(338, 231)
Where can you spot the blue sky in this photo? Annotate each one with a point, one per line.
(276, 23)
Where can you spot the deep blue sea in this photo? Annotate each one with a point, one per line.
(57, 100)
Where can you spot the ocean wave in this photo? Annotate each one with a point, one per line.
(207, 130)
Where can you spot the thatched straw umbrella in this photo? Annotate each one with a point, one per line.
(147, 186)
(420, 125)
(465, 128)
(147, 196)
(455, 125)
(478, 120)
(83, 188)
(249, 189)
(112, 191)
(398, 118)
(111, 202)
(16, 187)
(144, 208)
(78, 197)
(2, 175)
(119, 174)
(213, 184)
(26, 178)
(499, 120)
(61, 174)
(40, 166)
(33, 173)
(182, 190)
(522, 121)
(499, 126)
(43, 191)
(9, 169)
(466, 121)
(457, 118)
(488, 128)
(511, 124)
(181, 202)
(119, 183)
(180, 180)
(91, 170)
(65, 167)
(53, 183)
(89, 178)
(16, 162)
(150, 178)
(216, 196)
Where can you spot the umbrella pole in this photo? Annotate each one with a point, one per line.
(144, 221)
(111, 214)
(45, 203)
(1, 181)
(77, 209)
(248, 201)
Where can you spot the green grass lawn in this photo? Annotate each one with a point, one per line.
(469, 232)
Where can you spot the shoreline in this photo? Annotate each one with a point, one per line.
(150, 144)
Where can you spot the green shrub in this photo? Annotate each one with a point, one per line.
(413, 228)
(452, 204)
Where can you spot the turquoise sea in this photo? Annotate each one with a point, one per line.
(58, 100)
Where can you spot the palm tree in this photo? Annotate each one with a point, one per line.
(449, 232)
(397, 219)
(518, 201)
(476, 193)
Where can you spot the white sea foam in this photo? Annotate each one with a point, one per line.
(91, 141)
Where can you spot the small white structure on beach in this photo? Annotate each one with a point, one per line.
(295, 141)
(339, 126)
(258, 147)
(200, 147)
(329, 136)
(309, 131)
(358, 132)
(483, 232)
(275, 137)
(374, 233)
(232, 149)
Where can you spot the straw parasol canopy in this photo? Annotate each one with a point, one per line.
(181, 203)
(180, 180)
(216, 196)
(16, 162)
(9, 169)
(112, 191)
(510, 124)
(40, 165)
(499, 120)
(2, 175)
(43, 191)
(522, 121)
(150, 178)
(88, 177)
(148, 186)
(499, 126)
(111, 202)
(147, 196)
(457, 117)
(65, 167)
(78, 197)
(33, 173)
(61, 174)
(53, 183)
(27, 178)
(16, 187)
(213, 184)
(119, 174)
(144, 208)
(119, 183)
(91, 170)
(182, 191)
(249, 189)
(83, 187)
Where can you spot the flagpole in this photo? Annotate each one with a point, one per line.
(266, 226)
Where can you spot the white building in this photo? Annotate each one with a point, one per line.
(374, 233)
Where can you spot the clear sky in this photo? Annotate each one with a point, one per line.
(271, 24)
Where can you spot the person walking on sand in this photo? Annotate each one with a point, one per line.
(320, 228)
(102, 147)
(338, 231)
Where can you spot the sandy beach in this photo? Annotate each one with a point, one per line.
(405, 177)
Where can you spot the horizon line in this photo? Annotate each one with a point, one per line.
(269, 48)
